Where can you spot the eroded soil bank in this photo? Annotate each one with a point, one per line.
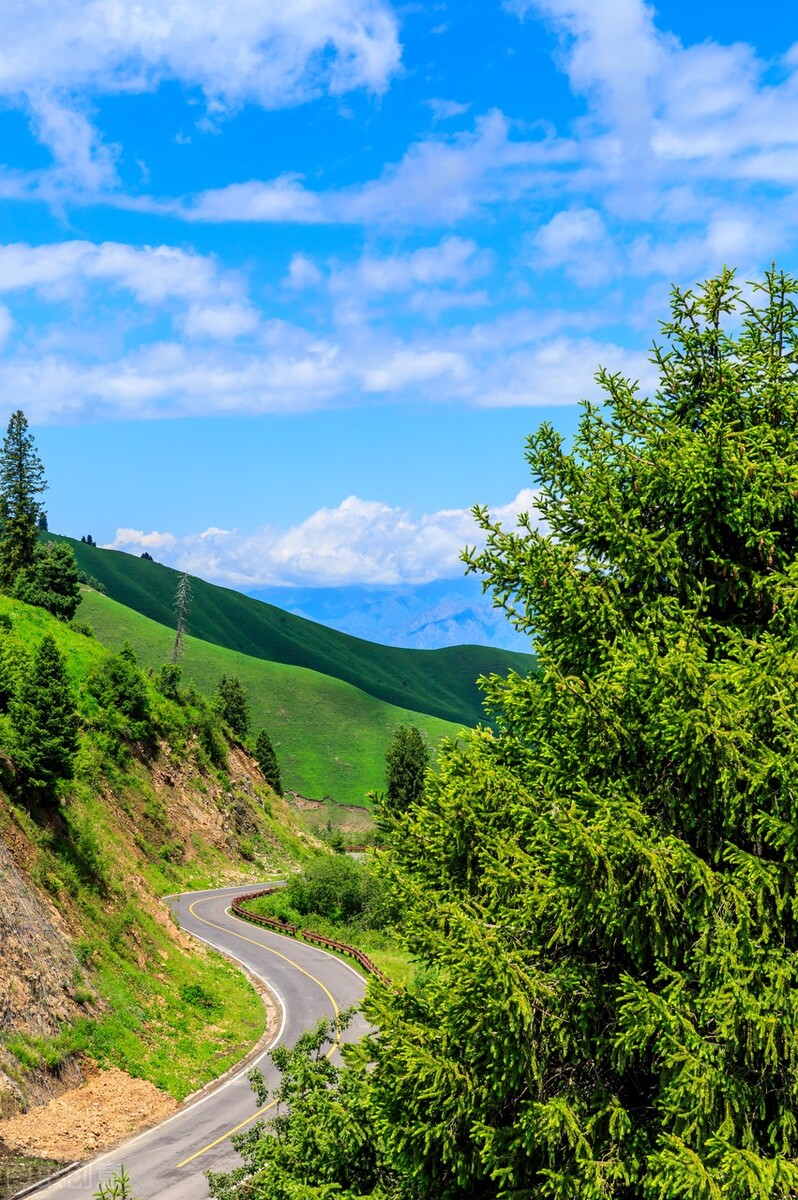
(82, 1122)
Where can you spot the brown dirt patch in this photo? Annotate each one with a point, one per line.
(88, 1119)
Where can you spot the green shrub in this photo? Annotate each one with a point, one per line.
(199, 997)
(168, 680)
(341, 889)
(119, 686)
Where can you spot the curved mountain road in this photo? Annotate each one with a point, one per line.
(169, 1161)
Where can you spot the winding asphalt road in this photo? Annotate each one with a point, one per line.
(169, 1161)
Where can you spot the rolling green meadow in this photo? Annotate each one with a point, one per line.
(330, 736)
(440, 683)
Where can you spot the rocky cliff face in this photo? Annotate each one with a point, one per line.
(38, 975)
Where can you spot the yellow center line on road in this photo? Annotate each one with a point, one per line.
(285, 958)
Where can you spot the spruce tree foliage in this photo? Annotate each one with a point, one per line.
(267, 761)
(21, 482)
(304, 1154)
(168, 681)
(232, 705)
(41, 522)
(44, 720)
(406, 763)
(602, 891)
(119, 686)
(52, 581)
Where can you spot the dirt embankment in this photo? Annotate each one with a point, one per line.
(80, 1123)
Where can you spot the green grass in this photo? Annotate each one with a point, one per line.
(105, 852)
(330, 737)
(440, 683)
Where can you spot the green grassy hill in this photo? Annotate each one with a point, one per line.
(159, 802)
(330, 737)
(441, 683)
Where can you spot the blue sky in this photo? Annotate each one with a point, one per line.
(284, 285)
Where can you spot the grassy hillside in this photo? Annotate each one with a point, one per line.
(159, 803)
(330, 737)
(441, 683)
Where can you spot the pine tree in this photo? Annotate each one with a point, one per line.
(52, 583)
(267, 761)
(45, 724)
(21, 481)
(406, 763)
(231, 702)
(602, 890)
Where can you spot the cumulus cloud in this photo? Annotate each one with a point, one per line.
(224, 321)
(235, 52)
(290, 369)
(302, 273)
(438, 181)
(578, 241)
(153, 274)
(660, 108)
(359, 541)
(454, 260)
(429, 280)
(204, 300)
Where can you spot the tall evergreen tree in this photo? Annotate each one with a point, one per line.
(267, 761)
(45, 723)
(602, 891)
(21, 481)
(406, 763)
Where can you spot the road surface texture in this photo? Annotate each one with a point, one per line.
(169, 1161)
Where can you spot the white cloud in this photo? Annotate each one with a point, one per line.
(290, 369)
(415, 365)
(578, 241)
(659, 108)
(153, 274)
(67, 132)
(427, 280)
(6, 324)
(557, 371)
(235, 52)
(284, 199)
(302, 273)
(614, 52)
(444, 110)
(359, 541)
(147, 541)
(438, 181)
(454, 260)
(220, 321)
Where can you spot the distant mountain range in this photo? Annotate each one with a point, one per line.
(448, 612)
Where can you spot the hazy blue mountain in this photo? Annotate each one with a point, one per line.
(448, 612)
